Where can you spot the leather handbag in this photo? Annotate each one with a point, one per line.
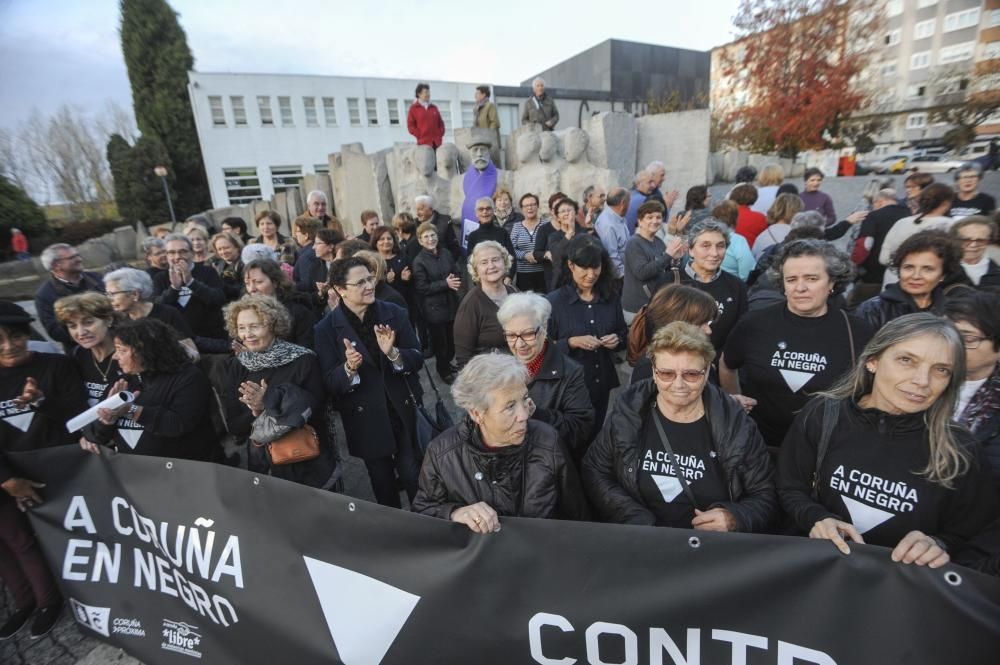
(299, 445)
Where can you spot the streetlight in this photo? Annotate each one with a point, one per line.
(162, 172)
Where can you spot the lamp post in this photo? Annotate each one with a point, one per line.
(162, 172)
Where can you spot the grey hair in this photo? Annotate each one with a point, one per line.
(255, 251)
(887, 194)
(969, 166)
(528, 304)
(178, 237)
(485, 199)
(538, 79)
(508, 261)
(130, 279)
(707, 225)
(839, 267)
(639, 176)
(654, 166)
(316, 194)
(485, 373)
(426, 199)
(149, 243)
(807, 218)
(49, 253)
(947, 460)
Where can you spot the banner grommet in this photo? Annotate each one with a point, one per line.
(256, 480)
(953, 578)
(694, 542)
(351, 507)
(169, 465)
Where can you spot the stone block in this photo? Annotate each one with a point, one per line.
(279, 204)
(99, 252)
(412, 173)
(733, 161)
(511, 158)
(360, 182)
(218, 214)
(797, 171)
(760, 161)
(125, 240)
(614, 140)
(680, 141)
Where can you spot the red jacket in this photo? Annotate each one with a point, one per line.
(19, 242)
(425, 124)
(750, 224)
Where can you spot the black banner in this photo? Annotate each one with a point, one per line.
(178, 561)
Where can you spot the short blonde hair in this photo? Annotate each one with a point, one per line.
(771, 175)
(196, 229)
(488, 244)
(227, 235)
(425, 227)
(681, 337)
(268, 309)
(503, 191)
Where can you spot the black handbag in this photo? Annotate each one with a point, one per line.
(428, 427)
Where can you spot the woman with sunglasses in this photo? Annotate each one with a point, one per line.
(677, 451)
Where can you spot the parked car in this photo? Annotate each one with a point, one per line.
(889, 164)
(935, 164)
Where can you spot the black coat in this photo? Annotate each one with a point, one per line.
(893, 303)
(231, 276)
(364, 407)
(449, 234)
(204, 310)
(438, 301)
(534, 479)
(559, 391)
(611, 466)
(303, 372)
(303, 321)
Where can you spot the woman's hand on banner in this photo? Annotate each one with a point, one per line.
(714, 519)
(89, 446)
(837, 531)
(919, 548)
(480, 517)
(23, 491)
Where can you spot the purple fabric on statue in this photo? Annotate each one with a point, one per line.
(477, 185)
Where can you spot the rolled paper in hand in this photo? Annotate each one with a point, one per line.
(90, 415)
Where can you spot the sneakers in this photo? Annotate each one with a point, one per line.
(15, 623)
(45, 620)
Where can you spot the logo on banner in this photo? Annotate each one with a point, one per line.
(363, 614)
(16, 416)
(95, 618)
(797, 367)
(870, 499)
(128, 627)
(181, 637)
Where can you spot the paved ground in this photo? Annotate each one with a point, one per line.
(68, 644)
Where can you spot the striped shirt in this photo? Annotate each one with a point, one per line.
(524, 242)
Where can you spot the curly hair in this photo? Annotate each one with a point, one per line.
(939, 243)
(488, 244)
(839, 267)
(268, 310)
(154, 343)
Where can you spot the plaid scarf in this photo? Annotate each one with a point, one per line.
(280, 353)
(983, 404)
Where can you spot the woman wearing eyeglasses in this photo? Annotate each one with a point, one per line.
(676, 451)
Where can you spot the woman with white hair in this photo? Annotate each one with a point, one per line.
(555, 381)
(131, 294)
(476, 327)
(497, 461)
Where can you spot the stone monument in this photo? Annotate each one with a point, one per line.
(538, 167)
(412, 174)
(481, 179)
(578, 173)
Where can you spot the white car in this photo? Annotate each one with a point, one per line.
(934, 164)
(890, 163)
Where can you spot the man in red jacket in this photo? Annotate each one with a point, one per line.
(424, 120)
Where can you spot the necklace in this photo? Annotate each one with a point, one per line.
(104, 373)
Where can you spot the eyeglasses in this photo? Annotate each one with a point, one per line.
(366, 281)
(254, 328)
(972, 342)
(484, 209)
(688, 375)
(178, 252)
(970, 242)
(527, 336)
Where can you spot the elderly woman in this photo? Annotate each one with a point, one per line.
(40, 392)
(977, 233)
(398, 272)
(503, 208)
(437, 280)
(324, 248)
(648, 261)
(779, 218)
(268, 222)
(264, 277)
(813, 199)
(131, 293)
(530, 268)
(929, 265)
(673, 302)
(876, 458)
(256, 379)
(380, 269)
(553, 245)
(367, 350)
(88, 318)
(476, 327)
(677, 451)
(555, 382)
(497, 461)
(708, 241)
(228, 263)
(587, 321)
(781, 355)
(489, 229)
(198, 236)
(170, 416)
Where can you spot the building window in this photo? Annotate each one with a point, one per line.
(264, 107)
(923, 29)
(321, 169)
(953, 85)
(218, 113)
(285, 106)
(916, 120)
(444, 108)
(888, 68)
(991, 51)
(353, 112)
(242, 185)
(956, 53)
(920, 60)
(372, 111)
(926, 3)
(286, 177)
(310, 105)
(329, 112)
(468, 114)
(239, 111)
(893, 37)
(894, 8)
(961, 20)
(393, 111)
(915, 91)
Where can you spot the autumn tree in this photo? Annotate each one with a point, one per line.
(981, 102)
(794, 74)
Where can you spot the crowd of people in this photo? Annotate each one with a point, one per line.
(779, 384)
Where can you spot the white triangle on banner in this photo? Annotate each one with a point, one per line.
(363, 614)
(669, 486)
(21, 421)
(795, 380)
(131, 436)
(865, 518)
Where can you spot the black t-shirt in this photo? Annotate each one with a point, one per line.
(730, 295)
(97, 376)
(695, 457)
(980, 204)
(785, 358)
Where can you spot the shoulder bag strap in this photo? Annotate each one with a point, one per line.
(830, 409)
(850, 338)
(673, 458)
(434, 386)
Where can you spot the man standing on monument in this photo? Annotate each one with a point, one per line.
(424, 120)
(540, 108)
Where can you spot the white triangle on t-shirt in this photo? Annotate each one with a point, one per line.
(131, 436)
(865, 518)
(795, 380)
(669, 486)
(22, 421)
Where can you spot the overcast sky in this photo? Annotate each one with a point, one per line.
(65, 51)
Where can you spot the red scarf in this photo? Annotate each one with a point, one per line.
(536, 364)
